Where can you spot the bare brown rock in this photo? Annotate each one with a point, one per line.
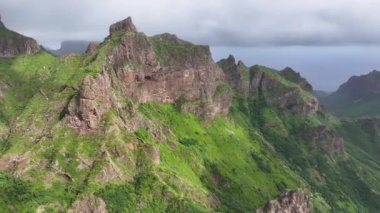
(91, 48)
(125, 25)
(326, 139)
(145, 70)
(154, 154)
(237, 74)
(88, 204)
(295, 201)
(94, 99)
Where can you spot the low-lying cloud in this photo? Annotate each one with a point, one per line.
(214, 22)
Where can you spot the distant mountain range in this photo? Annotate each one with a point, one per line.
(71, 47)
(358, 97)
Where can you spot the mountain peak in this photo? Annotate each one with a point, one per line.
(13, 44)
(125, 25)
(295, 77)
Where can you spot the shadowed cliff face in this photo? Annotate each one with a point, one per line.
(286, 90)
(13, 44)
(281, 94)
(162, 69)
(237, 74)
(361, 86)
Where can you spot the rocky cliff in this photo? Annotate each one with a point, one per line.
(13, 44)
(295, 77)
(110, 131)
(162, 69)
(281, 94)
(296, 201)
(237, 74)
(286, 90)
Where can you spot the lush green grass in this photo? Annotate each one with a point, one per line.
(233, 163)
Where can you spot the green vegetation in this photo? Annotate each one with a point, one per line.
(155, 158)
(174, 51)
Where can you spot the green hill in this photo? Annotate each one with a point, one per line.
(152, 124)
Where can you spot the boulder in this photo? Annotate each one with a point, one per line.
(294, 201)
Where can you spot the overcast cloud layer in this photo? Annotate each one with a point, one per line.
(215, 22)
(326, 40)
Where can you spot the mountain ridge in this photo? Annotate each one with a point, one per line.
(13, 44)
(358, 97)
(151, 124)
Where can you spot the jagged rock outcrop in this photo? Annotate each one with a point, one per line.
(91, 48)
(125, 25)
(295, 201)
(237, 74)
(13, 44)
(162, 69)
(88, 204)
(295, 77)
(280, 93)
(326, 139)
(94, 99)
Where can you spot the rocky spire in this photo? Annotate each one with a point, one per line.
(125, 25)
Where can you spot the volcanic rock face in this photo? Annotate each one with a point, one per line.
(279, 94)
(162, 69)
(296, 201)
(94, 99)
(237, 75)
(125, 25)
(13, 44)
(295, 77)
(327, 139)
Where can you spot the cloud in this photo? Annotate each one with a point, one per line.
(214, 22)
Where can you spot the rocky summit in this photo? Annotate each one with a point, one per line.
(13, 44)
(162, 69)
(143, 123)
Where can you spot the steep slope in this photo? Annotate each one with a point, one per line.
(358, 97)
(88, 133)
(13, 44)
(310, 140)
(152, 124)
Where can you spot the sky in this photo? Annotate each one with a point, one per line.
(326, 41)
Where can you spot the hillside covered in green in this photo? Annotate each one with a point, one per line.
(152, 124)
